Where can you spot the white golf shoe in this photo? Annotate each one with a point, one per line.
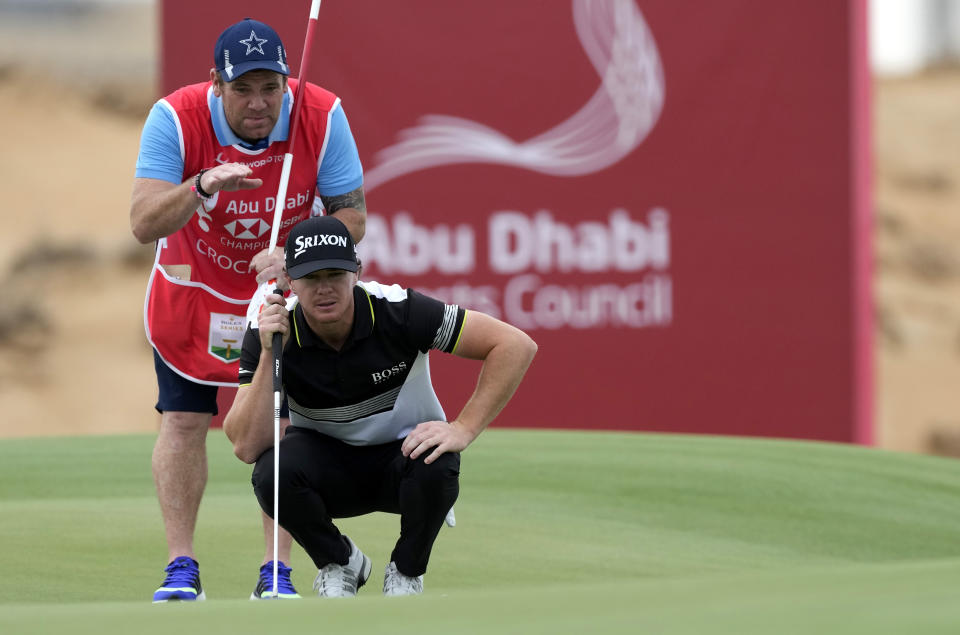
(395, 583)
(343, 580)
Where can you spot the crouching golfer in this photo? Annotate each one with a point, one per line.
(367, 431)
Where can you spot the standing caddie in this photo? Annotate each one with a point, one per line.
(367, 430)
(207, 175)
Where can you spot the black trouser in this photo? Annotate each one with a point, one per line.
(322, 478)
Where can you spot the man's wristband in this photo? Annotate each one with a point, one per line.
(199, 188)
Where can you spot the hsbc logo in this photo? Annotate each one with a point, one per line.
(247, 228)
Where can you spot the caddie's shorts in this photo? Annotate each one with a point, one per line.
(179, 394)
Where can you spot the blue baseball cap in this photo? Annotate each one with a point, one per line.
(249, 45)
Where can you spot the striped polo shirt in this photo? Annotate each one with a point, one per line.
(377, 387)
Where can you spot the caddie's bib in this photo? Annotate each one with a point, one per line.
(202, 280)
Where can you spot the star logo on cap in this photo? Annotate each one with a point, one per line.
(253, 43)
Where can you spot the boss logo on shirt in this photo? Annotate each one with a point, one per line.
(386, 374)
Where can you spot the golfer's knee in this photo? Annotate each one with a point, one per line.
(289, 478)
(439, 476)
(262, 477)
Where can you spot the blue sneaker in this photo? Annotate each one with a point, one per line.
(182, 583)
(264, 590)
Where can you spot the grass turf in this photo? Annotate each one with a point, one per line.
(557, 532)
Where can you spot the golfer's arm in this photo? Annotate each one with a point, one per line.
(506, 352)
(159, 208)
(350, 209)
(249, 423)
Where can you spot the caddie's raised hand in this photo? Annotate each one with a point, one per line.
(228, 177)
(273, 318)
(269, 266)
(439, 436)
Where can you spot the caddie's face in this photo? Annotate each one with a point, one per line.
(252, 102)
(326, 295)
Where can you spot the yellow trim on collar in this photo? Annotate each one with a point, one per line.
(373, 316)
(296, 331)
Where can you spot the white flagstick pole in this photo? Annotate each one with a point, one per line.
(294, 124)
(274, 234)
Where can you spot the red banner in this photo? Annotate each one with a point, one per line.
(671, 197)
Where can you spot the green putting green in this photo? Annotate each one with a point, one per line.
(558, 531)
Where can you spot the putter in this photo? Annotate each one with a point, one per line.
(277, 389)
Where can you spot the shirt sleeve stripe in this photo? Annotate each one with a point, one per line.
(448, 327)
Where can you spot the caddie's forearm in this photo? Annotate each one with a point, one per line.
(354, 219)
(158, 208)
(249, 424)
(501, 374)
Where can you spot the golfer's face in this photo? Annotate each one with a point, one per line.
(326, 295)
(252, 103)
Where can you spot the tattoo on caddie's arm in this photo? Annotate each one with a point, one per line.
(352, 199)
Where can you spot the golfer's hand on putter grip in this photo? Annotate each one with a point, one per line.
(229, 177)
(438, 436)
(273, 319)
(269, 266)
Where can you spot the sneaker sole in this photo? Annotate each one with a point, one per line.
(199, 598)
(254, 596)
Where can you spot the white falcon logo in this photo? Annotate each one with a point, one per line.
(253, 43)
(615, 120)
